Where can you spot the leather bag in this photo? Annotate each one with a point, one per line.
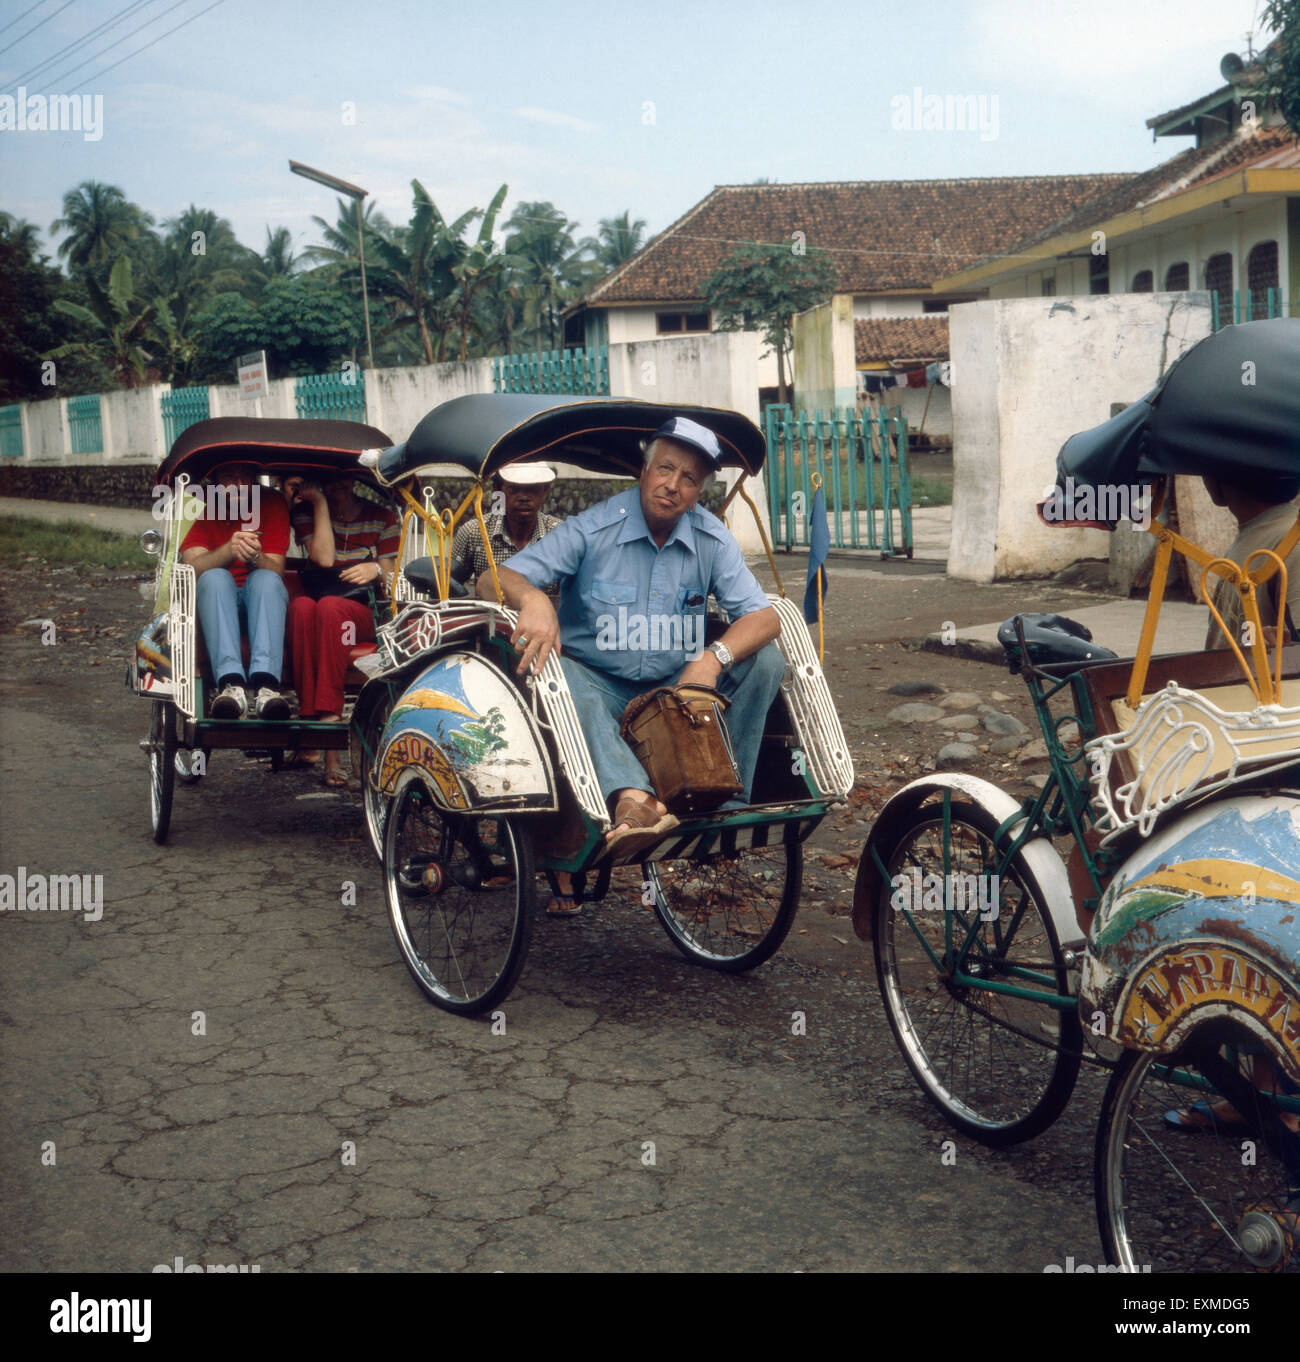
(679, 736)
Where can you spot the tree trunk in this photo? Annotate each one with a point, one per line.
(424, 336)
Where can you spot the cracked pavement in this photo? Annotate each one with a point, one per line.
(474, 1150)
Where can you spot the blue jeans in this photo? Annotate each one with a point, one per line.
(600, 699)
(258, 606)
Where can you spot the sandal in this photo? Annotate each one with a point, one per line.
(563, 905)
(334, 779)
(1201, 1117)
(646, 827)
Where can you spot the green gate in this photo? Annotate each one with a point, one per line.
(181, 409)
(11, 433)
(332, 397)
(861, 457)
(85, 430)
(582, 373)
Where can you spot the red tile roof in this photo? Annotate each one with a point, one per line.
(885, 235)
(890, 338)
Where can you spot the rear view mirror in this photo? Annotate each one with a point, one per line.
(151, 542)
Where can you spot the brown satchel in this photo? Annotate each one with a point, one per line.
(679, 737)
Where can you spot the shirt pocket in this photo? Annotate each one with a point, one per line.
(691, 600)
(610, 592)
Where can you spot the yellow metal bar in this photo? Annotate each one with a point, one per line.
(487, 545)
(1160, 573)
(767, 543)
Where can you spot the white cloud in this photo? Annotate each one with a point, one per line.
(555, 119)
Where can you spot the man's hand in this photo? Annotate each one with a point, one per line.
(538, 632)
(246, 545)
(706, 670)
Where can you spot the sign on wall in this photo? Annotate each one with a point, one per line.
(252, 375)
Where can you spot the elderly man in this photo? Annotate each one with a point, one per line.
(520, 522)
(238, 560)
(635, 574)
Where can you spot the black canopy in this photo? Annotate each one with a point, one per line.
(485, 431)
(1228, 408)
(274, 446)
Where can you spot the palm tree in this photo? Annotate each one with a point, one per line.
(552, 263)
(121, 322)
(620, 240)
(198, 257)
(477, 268)
(101, 225)
(413, 271)
(278, 259)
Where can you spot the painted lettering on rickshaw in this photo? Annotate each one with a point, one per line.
(1213, 975)
(413, 750)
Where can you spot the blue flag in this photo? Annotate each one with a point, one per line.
(819, 544)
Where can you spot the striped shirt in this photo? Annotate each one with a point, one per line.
(375, 534)
(467, 546)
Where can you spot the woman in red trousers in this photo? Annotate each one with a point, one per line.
(359, 539)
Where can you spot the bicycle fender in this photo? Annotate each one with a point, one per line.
(462, 725)
(1041, 858)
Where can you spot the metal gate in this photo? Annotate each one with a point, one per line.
(862, 459)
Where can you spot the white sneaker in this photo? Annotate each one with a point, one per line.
(231, 702)
(270, 704)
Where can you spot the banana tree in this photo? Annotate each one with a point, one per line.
(479, 267)
(120, 322)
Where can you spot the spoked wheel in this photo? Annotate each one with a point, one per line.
(1224, 1197)
(375, 804)
(1000, 1067)
(162, 766)
(729, 907)
(461, 898)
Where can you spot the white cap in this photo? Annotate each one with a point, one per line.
(527, 474)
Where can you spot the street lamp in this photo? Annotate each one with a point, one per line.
(356, 194)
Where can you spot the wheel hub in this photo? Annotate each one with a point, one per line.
(1266, 1238)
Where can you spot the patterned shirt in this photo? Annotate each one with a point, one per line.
(376, 534)
(467, 546)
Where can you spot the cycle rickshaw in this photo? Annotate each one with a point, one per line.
(1175, 782)
(169, 666)
(479, 780)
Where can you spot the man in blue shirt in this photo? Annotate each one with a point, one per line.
(635, 574)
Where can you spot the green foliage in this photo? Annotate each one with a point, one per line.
(29, 326)
(102, 226)
(552, 271)
(620, 240)
(119, 323)
(761, 286)
(67, 542)
(1283, 18)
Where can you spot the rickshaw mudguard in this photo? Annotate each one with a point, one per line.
(1202, 922)
(1052, 886)
(461, 724)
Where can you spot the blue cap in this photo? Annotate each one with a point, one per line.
(687, 432)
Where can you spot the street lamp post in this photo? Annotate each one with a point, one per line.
(356, 195)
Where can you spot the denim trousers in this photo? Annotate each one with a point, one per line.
(600, 699)
(259, 606)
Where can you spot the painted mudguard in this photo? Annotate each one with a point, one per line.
(1052, 887)
(1203, 922)
(463, 726)
(152, 672)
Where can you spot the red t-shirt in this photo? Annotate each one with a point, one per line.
(272, 519)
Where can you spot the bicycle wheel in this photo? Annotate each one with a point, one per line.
(191, 764)
(373, 802)
(1000, 1067)
(1225, 1198)
(161, 745)
(460, 897)
(728, 907)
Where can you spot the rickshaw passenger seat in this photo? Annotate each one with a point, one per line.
(1050, 639)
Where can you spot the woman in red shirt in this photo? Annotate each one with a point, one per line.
(359, 539)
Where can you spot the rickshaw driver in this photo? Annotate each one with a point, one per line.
(239, 569)
(647, 553)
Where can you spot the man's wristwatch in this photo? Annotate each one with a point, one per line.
(722, 653)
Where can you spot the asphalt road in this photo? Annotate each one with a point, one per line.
(636, 1113)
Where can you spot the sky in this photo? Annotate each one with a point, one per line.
(596, 107)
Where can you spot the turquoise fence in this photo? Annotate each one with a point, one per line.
(84, 427)
(11, 433)
(181, 409)
(862, 460)
(331, 397)
(1245, 307)
(582, 373)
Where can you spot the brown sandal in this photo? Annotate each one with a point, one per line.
(646, 827)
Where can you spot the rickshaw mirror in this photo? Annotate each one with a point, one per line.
(151, 542)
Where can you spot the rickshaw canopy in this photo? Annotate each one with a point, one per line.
(484, 432)
(272, 445)
(1228, 408)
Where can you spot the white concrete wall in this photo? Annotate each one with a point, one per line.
(936, 419)
(46, 434)
(1027, 374)
(398, 399)
(825, 371)
(864, 307)
(132, 425)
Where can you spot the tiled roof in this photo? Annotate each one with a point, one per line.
(1196, 165)
(885, 235)
(888, 338)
